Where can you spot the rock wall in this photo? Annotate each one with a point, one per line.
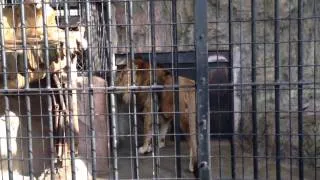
(288, 77)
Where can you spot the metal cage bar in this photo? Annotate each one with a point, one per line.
(316, 73)
(48, 88)
(69, 85)
(90, 92)
(27, 97)
(254, 90)
(202, 87)
(154, 99)
(277, 87)
(231, 80)
(6, 99)
(300, 87)
(113, 103)
(133, 105)
(290, 101)
(176, 121)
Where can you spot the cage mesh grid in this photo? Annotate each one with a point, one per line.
(260, 95)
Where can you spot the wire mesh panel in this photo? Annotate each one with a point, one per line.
(50, 113)
(159, 89)
(272, 76)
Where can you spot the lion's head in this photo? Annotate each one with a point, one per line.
(124, 78)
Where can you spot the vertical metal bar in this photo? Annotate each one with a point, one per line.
(30, 150)
(154, 102)
(70, 85)
(253, 90)
(219, 155)
(105, 57)
(202, 92)
(8, 133)
(315, 74)
(290, 86)
(103, 28)
(266, 136)
(133, 95)
(300, 87)
(231, 80)
(241, 90)
(6, 98)
(113, 102)
(277, 86)
(48, 87)
(90, 91)
(176, 89)
(27, 97)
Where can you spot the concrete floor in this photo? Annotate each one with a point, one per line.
(145, 170)
(220, 164)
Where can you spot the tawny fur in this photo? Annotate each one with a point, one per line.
(12, 25)
(166, 106)
(34, 31)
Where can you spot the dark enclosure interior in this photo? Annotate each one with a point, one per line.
(221, 96)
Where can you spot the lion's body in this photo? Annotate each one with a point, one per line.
(33, 22)
(34, 25)
(166, 106)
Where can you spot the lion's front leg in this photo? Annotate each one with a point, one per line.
(164, 126)
(146, 147)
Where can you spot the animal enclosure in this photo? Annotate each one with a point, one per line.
(159, 89)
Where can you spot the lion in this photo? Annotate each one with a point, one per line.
(166, 106)
(34, 25)
(34, 35)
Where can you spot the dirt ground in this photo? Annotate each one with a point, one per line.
(220, 164)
